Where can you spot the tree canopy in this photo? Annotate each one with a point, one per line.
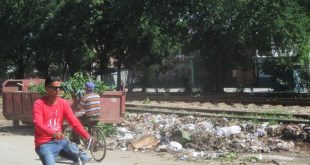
(58, 37)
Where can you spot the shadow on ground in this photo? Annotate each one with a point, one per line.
(19, 130)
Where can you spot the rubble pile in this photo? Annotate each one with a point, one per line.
(196, 137)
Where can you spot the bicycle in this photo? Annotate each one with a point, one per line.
(97, 147)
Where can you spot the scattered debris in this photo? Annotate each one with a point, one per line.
(192, 138)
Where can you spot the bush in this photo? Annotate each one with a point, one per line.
(75, 86)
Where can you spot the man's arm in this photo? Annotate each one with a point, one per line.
(74, 122)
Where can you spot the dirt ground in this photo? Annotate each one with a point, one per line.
(17, 148)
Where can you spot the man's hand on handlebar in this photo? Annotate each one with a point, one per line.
(58, 136)
(91, 141)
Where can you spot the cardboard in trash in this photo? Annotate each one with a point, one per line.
(145, 142)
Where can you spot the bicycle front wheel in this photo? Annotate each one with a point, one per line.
(98, 148)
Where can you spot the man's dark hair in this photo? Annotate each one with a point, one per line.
(50, 79)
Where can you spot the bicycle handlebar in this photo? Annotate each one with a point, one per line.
(89, 143)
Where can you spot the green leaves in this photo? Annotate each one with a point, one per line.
(37, 88)
(75, 85)
(68, 36)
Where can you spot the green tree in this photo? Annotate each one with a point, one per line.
(228, 33)
(19, 25)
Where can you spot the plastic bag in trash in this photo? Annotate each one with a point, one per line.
(174, 146)
(190, 127)
(206, 125)
(227, 131)
(260, 132)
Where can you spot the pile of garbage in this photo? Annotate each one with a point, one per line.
(190, 137)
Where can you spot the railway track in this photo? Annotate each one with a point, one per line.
(228, 99)
(220, 113)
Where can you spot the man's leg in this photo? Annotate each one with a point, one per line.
(72, 152)
(48, 152)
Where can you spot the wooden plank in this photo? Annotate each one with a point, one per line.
(17, 105)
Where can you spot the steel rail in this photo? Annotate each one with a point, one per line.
(226, 99)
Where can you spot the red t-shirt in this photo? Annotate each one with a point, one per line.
(48, 119)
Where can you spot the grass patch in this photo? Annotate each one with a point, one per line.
(108, 129)
(229, 156)
(279, 111)
(273, 122)
(273, 117)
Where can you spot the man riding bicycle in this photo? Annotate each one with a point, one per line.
(49, 113)
(88, 109)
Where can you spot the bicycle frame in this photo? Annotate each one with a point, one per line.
(96, 146)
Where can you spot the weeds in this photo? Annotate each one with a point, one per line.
(254, 121)
(108, 129)
(147, 100)
(279, 111)
(229, 156)
(273, 122)
(251, 159)
(273, 117)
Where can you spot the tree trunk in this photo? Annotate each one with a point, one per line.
(119, 81)
(20, 73)
(145, 79)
